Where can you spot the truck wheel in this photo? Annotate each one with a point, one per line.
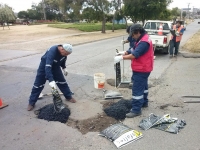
(166, 50)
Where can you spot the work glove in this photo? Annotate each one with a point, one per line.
(118, 59)
(120, 53)
(123, 41)
(65, 72)
(52, 84)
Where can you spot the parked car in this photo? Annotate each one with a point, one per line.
(160, 42)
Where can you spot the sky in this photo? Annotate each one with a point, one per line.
(20, 5)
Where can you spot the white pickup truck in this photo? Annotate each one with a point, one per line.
(160, 42)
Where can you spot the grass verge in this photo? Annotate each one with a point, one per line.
(193, 44)
(87, 27)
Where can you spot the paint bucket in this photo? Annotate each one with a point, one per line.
(99, 80)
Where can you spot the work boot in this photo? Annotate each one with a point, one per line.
(132, 115)
(72, 100)
(30, 107)
(145, 105)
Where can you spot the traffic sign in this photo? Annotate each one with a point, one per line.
(186, 8)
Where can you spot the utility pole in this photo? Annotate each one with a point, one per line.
(193, 12)
(188, 11)
(181, 13)
(43, 8)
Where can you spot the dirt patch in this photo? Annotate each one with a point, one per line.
(95, 124)
(193, 44)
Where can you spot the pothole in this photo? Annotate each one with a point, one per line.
(94, 124)
(115, 112)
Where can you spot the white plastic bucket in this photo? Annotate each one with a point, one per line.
(99, 80)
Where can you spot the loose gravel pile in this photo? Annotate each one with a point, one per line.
(48, 113)
(119, 110)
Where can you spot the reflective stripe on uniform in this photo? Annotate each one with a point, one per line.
(55, 61)
(38, 86)
(138, 97)
(61, 82)
(146, 91)
(62, 58)
(48, 65)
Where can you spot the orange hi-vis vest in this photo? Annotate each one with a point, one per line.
(178, 38)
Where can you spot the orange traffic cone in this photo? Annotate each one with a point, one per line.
(160, 31)
(2, 105)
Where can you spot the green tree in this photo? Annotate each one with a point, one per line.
(175, 12)
(143, 9)
(165, 15)
(90, 14)
(101, 6)
(23, 15)
(184, 13)
(6, 14)
(116, 7)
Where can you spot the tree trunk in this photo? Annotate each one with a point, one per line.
(126, 22)
(103, 24)
(113, 26)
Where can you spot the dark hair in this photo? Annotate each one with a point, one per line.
(128, 29)
(179, 22)
(137, 28)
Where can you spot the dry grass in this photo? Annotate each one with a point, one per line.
(193, 44)
(40, 37)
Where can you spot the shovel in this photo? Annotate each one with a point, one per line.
(49, 94)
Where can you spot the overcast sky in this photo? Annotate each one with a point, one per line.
(19, 5)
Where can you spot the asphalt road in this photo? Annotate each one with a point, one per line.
(21, 130)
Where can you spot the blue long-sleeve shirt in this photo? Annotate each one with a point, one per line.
(140, 50)
(52, 59)
(131, 42)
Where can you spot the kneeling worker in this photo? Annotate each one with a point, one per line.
(50, 69)
(141, 58)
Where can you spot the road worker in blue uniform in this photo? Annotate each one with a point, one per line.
(141, 58)
(129, 40)
(50, 69)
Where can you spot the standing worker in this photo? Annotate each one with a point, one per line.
(142, 57)
(50, 69)
(176, 38)
(129, 40)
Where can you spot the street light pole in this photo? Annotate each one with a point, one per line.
(188, 11)
(43, 8)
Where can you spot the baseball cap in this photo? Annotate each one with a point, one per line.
(67, 47)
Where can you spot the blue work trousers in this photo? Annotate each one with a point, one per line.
(139, 91)
(41, 80)
(174, 44)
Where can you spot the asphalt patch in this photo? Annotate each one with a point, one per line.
(48, 113)
(119, 110)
